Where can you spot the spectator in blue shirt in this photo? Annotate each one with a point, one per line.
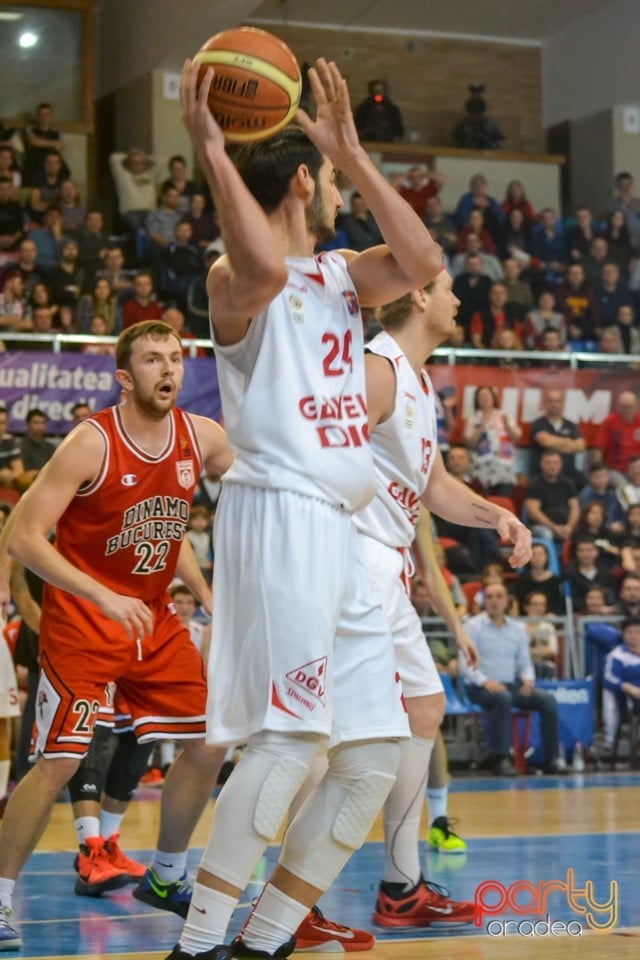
(621, 681)
(505, 678)
(600, 489)
(477, 198)
(549, 246)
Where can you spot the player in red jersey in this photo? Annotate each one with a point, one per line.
(118, 490)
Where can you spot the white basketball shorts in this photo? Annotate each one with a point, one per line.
(414, 661)
(300, 643)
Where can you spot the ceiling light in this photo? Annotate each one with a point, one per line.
(27, 39)
(10, 15)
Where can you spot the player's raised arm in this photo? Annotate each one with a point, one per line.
(410, 259)
(76, 461)
(252, 272)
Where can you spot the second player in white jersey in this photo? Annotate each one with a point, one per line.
(403, 446)
(410, 471)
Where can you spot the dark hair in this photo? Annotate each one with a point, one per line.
(536, 593)
(585, 538)
(484, 386)
(155, 329)
(183, 589)
(630, 622)
(44, 106)
(177, 157)
(595, 467)
(372, 84)
(36, 412)
(544, 547)
(267, 167)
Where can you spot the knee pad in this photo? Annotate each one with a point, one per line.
(87, 783)
(286, 761)
(254, 802)
(128, 763)
(367, 772)
(337, 817)
(281, 784)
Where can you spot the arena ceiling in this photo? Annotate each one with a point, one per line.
(530, 21)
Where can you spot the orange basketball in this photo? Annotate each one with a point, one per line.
(256, 83)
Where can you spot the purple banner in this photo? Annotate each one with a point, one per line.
(53, 382)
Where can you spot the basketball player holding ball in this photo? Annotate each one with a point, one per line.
(302, 656)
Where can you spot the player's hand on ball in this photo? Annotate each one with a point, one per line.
(196, 115)
(333, 131)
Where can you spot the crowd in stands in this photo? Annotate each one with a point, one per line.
(551, 282)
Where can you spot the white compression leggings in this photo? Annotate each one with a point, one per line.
(333, 822)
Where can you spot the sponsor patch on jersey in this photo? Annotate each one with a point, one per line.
(310, 677)
(296, 307)
(351, 300)
(128, 480)
(186, 473)
(409, 413)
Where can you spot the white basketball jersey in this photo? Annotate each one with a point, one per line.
(293, 390)
(403, 450)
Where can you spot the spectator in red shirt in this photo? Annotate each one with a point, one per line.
(500, 313)
(419, 185)
(475, 224)
(515, 198)
(143, 304)
(618, 438)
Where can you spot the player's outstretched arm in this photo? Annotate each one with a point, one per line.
(454, 501)
(252, 272)
(76, 461)
(412, 259)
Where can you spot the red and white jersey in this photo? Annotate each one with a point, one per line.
(403, 450)
(126, 526)
(293, 390)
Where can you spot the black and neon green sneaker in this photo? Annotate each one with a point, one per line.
(174, 896)
(442, 838)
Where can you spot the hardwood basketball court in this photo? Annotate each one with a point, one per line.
(530, 829)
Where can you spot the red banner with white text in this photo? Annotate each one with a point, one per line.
(590, 394)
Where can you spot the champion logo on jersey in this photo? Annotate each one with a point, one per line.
(351, 300)
(186, 474)
(311, 678)
(128, 480)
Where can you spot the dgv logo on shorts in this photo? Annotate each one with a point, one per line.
(311, 678)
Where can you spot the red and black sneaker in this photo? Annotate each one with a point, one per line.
(317, 934)
(96, 875)
(120, 860)
(424, 906)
